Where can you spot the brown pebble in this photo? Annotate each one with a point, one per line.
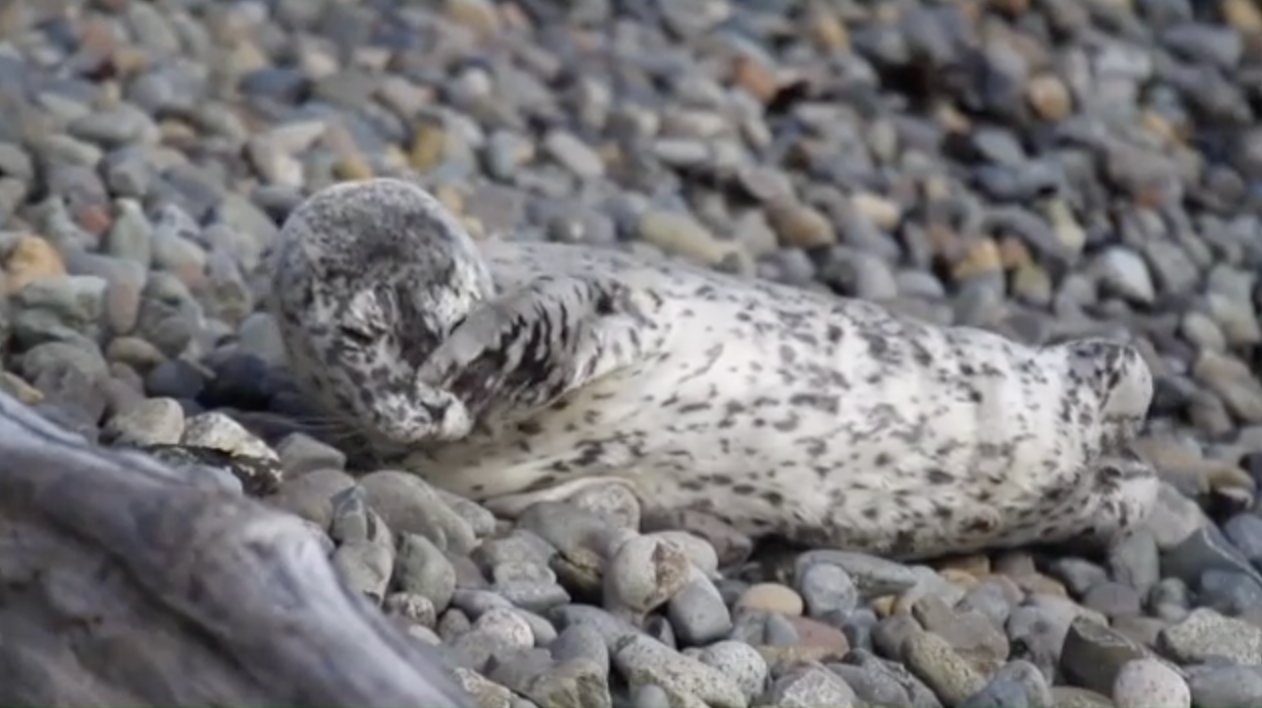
(771, 597)
(884, 606)
(478, 15)
(981, 257)
(31, 258)
(799, 225)
(1049, 97)
(1244, 15)
(824, 28)
(428, 146)
(352, 169)
(814, 633)
(1013, 253)
(976, 565)
(755, 77)
(19, 389)
(959, 578)
(137, 353)
(95, 219)
(1039, 584)
(883, 212)
(944, 671)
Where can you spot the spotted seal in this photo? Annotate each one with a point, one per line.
(514, 372)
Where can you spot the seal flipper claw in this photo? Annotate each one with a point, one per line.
(529, 347)
(511, 506)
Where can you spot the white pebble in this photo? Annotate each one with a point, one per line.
(1148, 683)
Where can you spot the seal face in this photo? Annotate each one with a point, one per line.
(503, 370)
(361, 307)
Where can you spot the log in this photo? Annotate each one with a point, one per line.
(124, 581)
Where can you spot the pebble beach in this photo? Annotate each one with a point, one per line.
(1045, 169)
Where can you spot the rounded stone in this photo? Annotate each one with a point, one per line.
(1149, 683)
(771, 597)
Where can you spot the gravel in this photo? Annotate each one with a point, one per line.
(1043, 170)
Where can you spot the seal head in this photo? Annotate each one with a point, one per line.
(369, 279)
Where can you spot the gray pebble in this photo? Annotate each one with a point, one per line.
(1113, 599)
(1228, 592)
(300, 453)
(59, 308)
(411, 607)
(409, 505)
(1093, 654)
(581, 641)
(650, 695)
(949, 675)
(1135, 561)
(528, 585)
(576, 682)
(155, 421)
(583, 539)
(1148, 683)
(220, 432)
(872, 576)
(697, 614)
(610, 627)
(891, 634)
(1036, 635)
(1077, 574)
(1169, 599)
(421, 568)
(643, 574)
(1206, 549)
(641, 660)
(779, 631)
(872, 688)
(999, 692)
(496, 632)
(1226, 686)
(1245, 533)
(810, 687)
(827, 588)
(990, 599)
(739, 662)
(365, 554)
(480, 521)
(519, 547)
(1205, 634)
(311, 495)
(699, 551)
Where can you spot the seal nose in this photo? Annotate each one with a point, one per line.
(435, 411)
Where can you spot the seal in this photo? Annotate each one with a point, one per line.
(515, 372)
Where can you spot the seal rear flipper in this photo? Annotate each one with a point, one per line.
(527, 348)
(1119, 493)
(1117, 372)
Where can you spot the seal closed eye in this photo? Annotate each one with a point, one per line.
(517, 372)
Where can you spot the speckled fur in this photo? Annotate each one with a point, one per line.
(824, 420)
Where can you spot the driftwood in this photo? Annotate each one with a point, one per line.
(127, 582)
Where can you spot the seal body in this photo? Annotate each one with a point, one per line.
(824, 420)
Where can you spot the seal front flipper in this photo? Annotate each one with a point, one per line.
(529, 347)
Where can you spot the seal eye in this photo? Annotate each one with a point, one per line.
(357, 337)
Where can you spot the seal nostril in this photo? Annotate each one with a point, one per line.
(435, 411)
